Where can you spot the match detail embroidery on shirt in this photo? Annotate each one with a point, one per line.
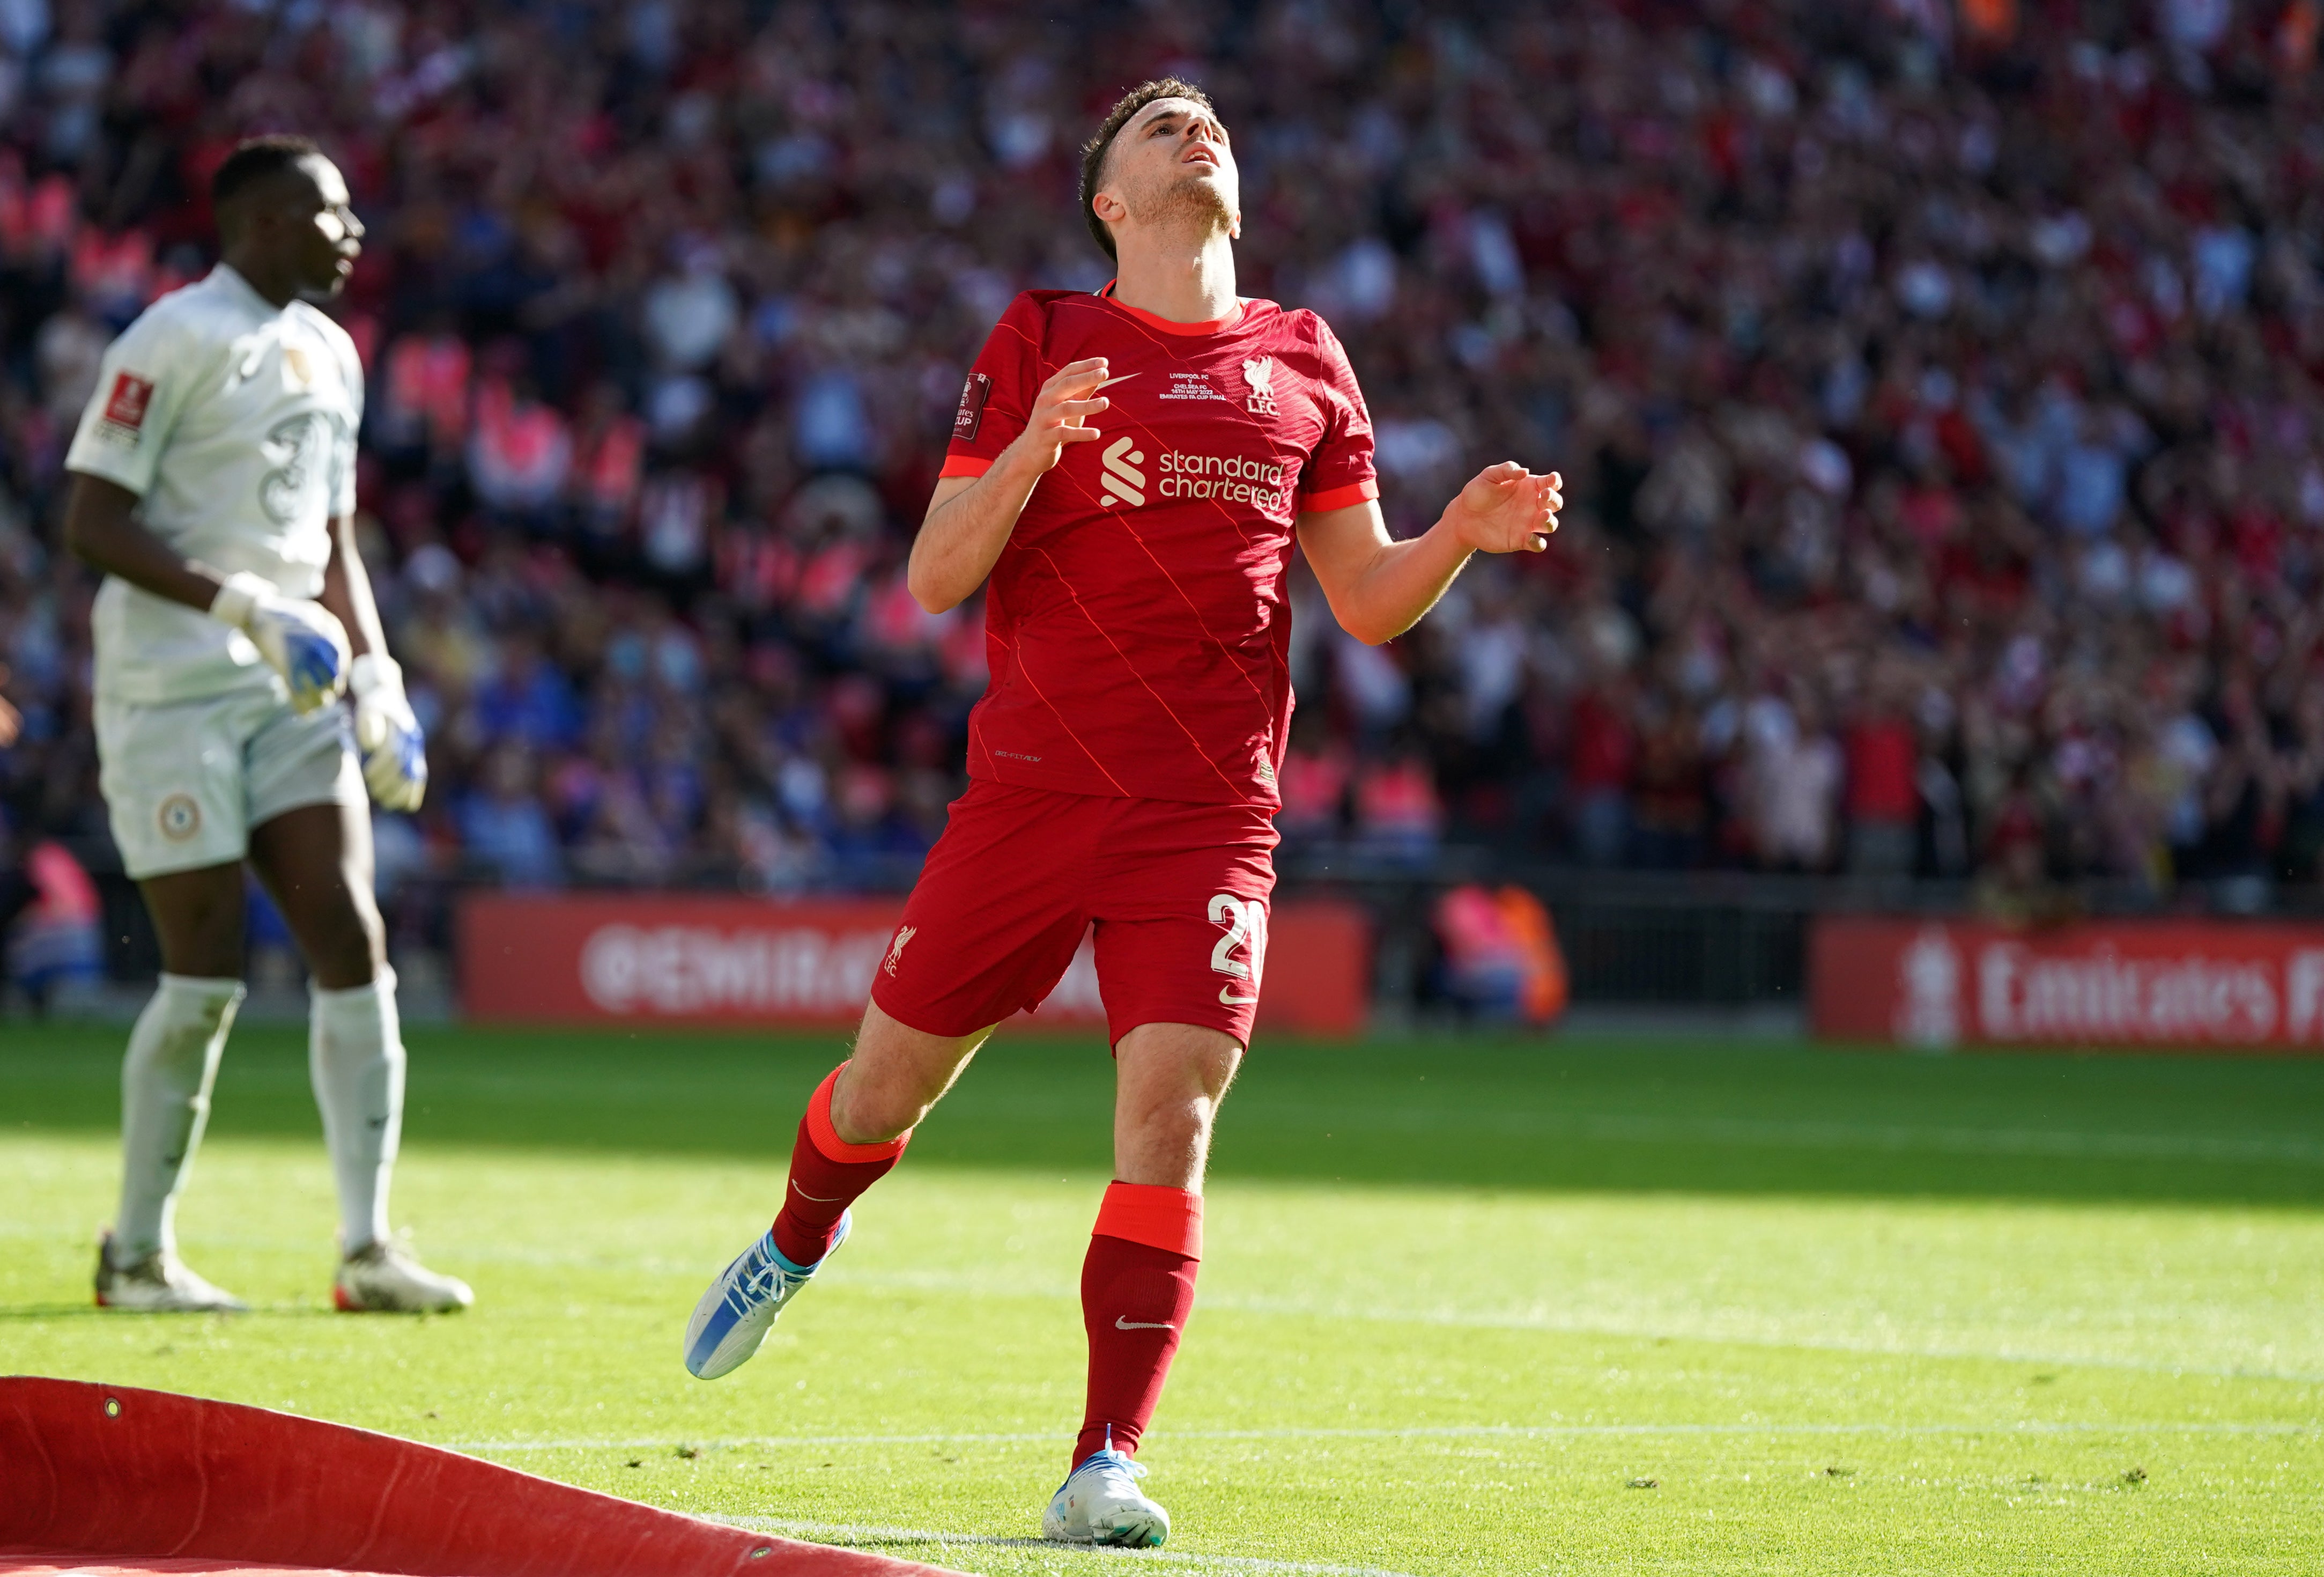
(1192, 385)
(125, 407)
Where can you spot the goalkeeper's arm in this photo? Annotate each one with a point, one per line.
(300, 639)
(347, 592)
(102, 531)
(394, 753)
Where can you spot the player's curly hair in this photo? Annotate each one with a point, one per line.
(1094, 151)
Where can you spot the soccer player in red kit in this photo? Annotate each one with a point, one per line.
(1127, 475)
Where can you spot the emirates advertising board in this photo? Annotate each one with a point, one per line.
(680, 960)
(2222, 985)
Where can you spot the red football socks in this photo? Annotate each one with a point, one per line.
(1137, 1288)
(827, 1175)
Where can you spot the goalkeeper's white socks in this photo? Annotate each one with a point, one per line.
(355, 1054)
(165, 1101)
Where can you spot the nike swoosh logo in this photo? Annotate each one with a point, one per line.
(816, 1197)
(1121, 1324)
(1123, 378)
(1234, 1001)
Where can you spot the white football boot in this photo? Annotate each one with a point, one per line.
(735, 1315)
(1100, 1503)
(159, 1284)
(383, 1278)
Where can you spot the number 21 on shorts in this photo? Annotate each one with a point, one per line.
(1246, 922)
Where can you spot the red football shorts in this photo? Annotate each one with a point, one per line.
(1178, 893)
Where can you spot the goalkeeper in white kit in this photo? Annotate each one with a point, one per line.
(214, 486)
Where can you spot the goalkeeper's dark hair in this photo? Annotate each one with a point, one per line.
(256, 161)
(1094, 151)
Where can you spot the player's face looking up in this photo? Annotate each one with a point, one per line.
(295, 234)
(1171, 167)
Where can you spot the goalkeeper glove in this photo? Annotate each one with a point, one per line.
(395, 755)
(302, 641)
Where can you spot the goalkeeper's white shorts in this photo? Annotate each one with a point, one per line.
(185, 782)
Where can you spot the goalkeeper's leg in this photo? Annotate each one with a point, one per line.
(316, 860)
(165, 1088)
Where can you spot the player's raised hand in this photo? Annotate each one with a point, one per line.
(1507, 509)
(301, 640)
(394, 753)
(1061, 411)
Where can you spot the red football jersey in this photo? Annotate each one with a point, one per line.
(1137, 625)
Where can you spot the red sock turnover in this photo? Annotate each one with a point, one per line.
(827, 1175)
(1137, 1288)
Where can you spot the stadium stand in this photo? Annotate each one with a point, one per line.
(1935, 386)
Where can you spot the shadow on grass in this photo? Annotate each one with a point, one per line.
(1558, 1115)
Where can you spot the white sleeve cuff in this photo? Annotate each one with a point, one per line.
(374, 671)
(239, 597)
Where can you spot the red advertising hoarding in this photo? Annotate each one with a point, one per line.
(2177, 983)
(675, 958)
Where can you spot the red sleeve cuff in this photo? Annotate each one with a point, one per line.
(1338, 498)
(963, 465)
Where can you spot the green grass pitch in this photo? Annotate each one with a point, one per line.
(1470, 1306)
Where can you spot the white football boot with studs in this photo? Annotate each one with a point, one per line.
(1100, 1503)
(159, 1284)
(385, 1277)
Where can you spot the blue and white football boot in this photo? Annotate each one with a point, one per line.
(736, 1315)
(1100, 1503)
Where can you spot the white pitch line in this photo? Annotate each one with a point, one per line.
(1447, 1432)
(1584, 1325)
(1532, 1319)
(852, 1533)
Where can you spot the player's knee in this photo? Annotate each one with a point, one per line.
(346, 943)
(208, 957)
(206, 946)
(866, 1110)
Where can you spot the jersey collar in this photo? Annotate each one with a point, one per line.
(230, 279)
(1242, 309)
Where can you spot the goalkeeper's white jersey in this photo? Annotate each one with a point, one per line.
(234, 420)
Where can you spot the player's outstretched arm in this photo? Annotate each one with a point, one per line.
(298, 639)
(970, 518)
(1380, 587)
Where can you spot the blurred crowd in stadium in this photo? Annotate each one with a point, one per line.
(1934, 385)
